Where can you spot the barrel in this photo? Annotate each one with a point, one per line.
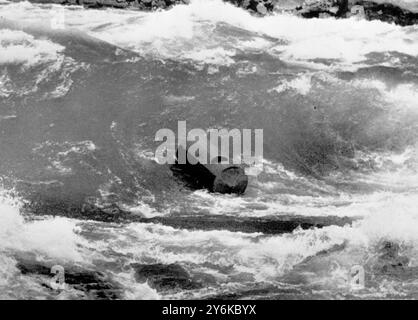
(215, 176)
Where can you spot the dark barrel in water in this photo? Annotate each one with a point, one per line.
(214, 176)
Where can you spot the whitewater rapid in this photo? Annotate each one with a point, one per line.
(79, 108)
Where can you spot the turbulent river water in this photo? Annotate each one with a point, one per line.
(79, 109)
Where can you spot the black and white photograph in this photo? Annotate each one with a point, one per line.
(208, 150)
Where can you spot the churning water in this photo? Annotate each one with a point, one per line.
(79, 109)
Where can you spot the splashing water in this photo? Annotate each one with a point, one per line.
(79, 109)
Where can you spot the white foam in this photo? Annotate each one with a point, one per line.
(5, 87)
(50, 237)
(27, 52)
(393, 218)
(189, 31)
(134, 290)
(402, 97)
(18, 47)
(264, 257)
(145, 210)
(301, 84)
(218, 56)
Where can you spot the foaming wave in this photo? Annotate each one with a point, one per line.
(356, 193)
(57, 240)
(344, 41)
(301, 84)
(134, 290)
(403, 97)
(394, 218)
(216, 56)
(53, 237)
(263, 257)
(145, 210)
(392, 170)
(42, 62)
(19, 47)
(187, 31)
(386, 218)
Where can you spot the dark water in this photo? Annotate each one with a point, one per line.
(79, 109)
